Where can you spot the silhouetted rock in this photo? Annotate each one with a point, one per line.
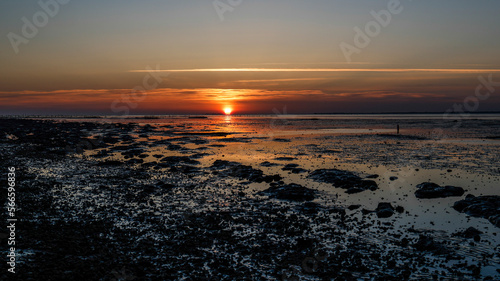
(400, 209)
(384, 210)
(292, 192)
(482, 206)
(470, 232)
(310, 208)
(176, 160)
(432, 190)
(427, 244)
(289, 167)
(343, 179)
(237, 170)
(281, 140)
(268, 164)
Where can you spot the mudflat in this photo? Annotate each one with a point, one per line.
(254, 198)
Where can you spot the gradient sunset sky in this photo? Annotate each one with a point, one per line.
(254, 57)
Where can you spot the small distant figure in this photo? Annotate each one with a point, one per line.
(397, 129)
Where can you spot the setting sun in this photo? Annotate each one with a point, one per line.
(228, 110)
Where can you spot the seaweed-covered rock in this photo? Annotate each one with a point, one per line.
(292, 192)
(343, 179)
(487, 207)
(431, 190)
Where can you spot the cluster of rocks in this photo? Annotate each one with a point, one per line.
(487, 207)
(110, 227)
(383, 210)
(343, 179)
(432, 190)
(237, 170)
(293, 168)
(292, 192)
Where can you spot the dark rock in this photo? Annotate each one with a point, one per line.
(284, 158)
(310, 208)
(135, 161)
(384, 210)
(366, 211)
(174, 147)
(110, 163)
(164, 185)
(281, 140)
(400, 209)
(393, 178)
(353, 207)
(199, 155)
(482, 206)
(292, 192)
(432, 190)
(353, 190)
(298, 170)
(268, 164)
(176, 160)
(470, 232)
(289, 167)
(237, 170)
(343, 179)
(372, 176)
(184, 169)
(427, 244)
(243, 140)
(305, 243)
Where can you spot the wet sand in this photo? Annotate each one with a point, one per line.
(253, 198)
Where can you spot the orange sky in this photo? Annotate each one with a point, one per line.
(263, 55)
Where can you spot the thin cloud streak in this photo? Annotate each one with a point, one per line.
(280, 80)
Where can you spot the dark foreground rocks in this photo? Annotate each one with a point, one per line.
(292, 192)
(384, 210)
(162, 220)
(431, 190)
(237, 170)
(343, 179)
(427, 243)
(487, 207)
(470, 232)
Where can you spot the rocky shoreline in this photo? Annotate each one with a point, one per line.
(86, 214)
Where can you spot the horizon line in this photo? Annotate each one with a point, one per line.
(445, 70)
(246, 114)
